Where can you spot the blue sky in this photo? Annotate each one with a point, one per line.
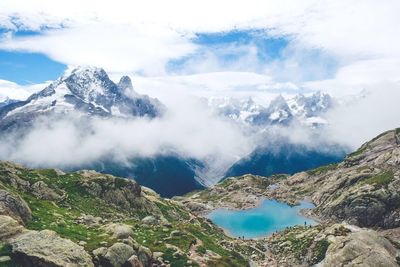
(28, 68)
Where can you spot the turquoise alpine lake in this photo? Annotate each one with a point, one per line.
(261, 221)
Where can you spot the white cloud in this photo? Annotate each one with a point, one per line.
(18, 92)
(365, 118)
(117, 48)
(134, 36)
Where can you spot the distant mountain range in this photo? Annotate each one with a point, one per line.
(308, 110)
(280, 155)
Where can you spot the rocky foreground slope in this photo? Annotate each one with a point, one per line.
(49, 218)
(361, 191)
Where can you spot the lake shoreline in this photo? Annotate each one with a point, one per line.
(267, 217)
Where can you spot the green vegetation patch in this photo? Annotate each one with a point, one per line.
(358, 152)
(382, 179)
(323, 169)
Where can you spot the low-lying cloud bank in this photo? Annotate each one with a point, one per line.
(191, 130)
(75, 141)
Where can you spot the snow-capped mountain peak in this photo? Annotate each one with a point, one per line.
(282, 111)
(88, 91)
(310, 106)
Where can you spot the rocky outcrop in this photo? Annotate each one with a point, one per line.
(361, 248)
(14, 206)
(119, 230)
(150, 220)
(45, 248)
(42, 191)
(9, 227)
(115, 256)
(328, 246)
(122, 193)
(124, 255)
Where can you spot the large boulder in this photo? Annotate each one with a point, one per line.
(114, 256)
(9, 227)
(46, 249)
(42, 191)
(122, 231)
(150, 220)
(361, 248)
(14, 206)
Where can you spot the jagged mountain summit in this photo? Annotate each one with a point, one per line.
(308, 110)
(278, 112)
(86, 90)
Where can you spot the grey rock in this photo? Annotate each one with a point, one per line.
(45, 248)
(89, 220)
(9, 227)
(116, 255)
(41, 190)
(150, 220)
(4, 259)
(14, 206)
(362, 248)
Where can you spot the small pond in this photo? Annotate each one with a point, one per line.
(261, 221)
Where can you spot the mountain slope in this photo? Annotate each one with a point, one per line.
(168, 175)
(284, 157)
(50, 218)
